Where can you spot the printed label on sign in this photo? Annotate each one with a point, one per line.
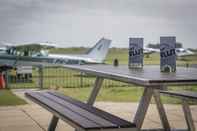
(168, 54)
(136, 51)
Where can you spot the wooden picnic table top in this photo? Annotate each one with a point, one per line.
(150, 75)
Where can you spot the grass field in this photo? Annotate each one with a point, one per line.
(9, 99)
(153, 59)
(122, 94)
(117, 94)
(63, 78)
(69, 82)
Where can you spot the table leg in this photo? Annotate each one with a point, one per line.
(161, 110)
(53, 123)
(143, 107)
(95, 90)
(188, 116)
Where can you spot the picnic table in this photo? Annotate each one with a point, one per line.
(149, 77)
(84, 116)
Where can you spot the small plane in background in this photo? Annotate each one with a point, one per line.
(183, 52)
(179, 51)
(3, 47)
(150, 50)
(11, 57)
(2, 50)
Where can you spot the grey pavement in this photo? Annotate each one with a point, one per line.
(32, 117)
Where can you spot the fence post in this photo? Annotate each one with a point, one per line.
(40, 80)
(81, 80)
(6, 79)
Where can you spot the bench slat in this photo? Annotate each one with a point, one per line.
(186, 94)
(114, 119)
(80, 111)
(71, 116)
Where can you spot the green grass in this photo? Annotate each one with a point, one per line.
(153, 59)
(122, 55)
(7, 98)
(117, 92)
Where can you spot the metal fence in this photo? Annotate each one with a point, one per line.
(57, 77)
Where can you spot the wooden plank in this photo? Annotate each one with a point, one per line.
(188, 116)
(161, 110)
(95, 90)
(80, 111)
(114, 119)
(148, 76)
(158, 129)
(53, 123)
(114, 129)
(103, 72)
(182, 94)
(70, 116)
(143, 107)
(41, 77)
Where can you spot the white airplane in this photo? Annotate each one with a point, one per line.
(2, 50)
(183, 52)
(97, 54)
(150, 50)
(179, 51)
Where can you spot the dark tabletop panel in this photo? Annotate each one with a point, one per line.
(148, 76)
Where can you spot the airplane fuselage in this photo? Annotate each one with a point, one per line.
(13, 57)
(12, 60)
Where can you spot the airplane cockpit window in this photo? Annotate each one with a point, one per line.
(72, 61)
(178, 51)
(79, 62)
(11, 51)
(25, 52)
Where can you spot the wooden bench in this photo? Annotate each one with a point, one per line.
(79, 115)
(185, 96)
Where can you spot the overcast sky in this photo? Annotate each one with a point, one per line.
(83, 22)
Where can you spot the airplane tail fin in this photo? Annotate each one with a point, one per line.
(100, 50)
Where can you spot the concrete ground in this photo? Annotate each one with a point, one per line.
(32, 117)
